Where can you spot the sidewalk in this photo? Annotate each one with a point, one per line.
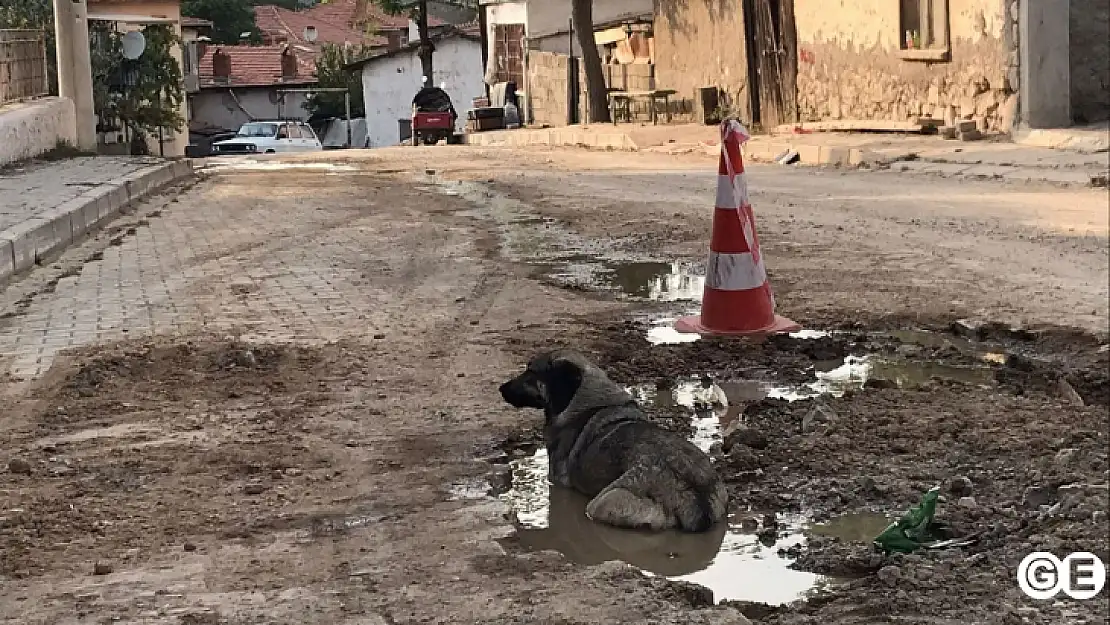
(929, 154)
(46, 206)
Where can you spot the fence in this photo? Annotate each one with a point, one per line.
(23, 69)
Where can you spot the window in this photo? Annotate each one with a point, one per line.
(924, 29)
(294, 131)
(307, 132)
(283, 132)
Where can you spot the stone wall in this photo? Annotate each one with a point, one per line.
(701, 44)
(547, 86)
(851, 67)
(1089, 43)
(29, 129)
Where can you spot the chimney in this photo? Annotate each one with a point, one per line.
(221, 66)
(288, 64)
(393, 39)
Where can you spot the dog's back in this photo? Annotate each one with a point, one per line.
(643, 475)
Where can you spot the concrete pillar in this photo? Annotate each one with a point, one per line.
(63, 33)
(82, 78)
(1045, 90)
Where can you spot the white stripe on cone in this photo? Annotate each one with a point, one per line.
(732, 195)
(734, 272)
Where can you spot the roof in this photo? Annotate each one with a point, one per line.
(447, 33)
(256, 66)
(195, 22)
(282, 24)
(362, 13)
(632, 17)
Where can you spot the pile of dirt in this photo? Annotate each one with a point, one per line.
(1022, 464)
(115, 437)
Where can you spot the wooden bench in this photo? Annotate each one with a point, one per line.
(621, 101)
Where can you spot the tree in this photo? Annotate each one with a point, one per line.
(582, 13)
(417, 10)
(230, 19)
(330, 73)
(145, 94)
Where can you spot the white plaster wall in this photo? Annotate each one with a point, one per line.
(216, 107)
(388, 85)
(31, 128)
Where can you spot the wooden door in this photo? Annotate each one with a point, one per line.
(508, 47)
(773, 61)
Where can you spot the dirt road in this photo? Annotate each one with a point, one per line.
(270, 397)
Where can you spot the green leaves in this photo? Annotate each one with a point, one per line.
(154, 100)
(330, 73)
(230, 19)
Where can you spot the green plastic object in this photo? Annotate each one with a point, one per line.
(914, 530)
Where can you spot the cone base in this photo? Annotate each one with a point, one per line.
(693, 325)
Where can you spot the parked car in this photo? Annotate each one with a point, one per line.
(268, 137)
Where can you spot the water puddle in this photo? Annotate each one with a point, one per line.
(741, 560)
(569, 259)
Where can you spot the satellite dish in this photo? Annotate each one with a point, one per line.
(133, 45)
(310, 34)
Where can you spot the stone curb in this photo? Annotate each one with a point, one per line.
(811, 155)
(552, 137)
(51, 232)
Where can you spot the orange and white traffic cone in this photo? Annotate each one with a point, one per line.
(737, 300)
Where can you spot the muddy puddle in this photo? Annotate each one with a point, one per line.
(741, 560)
(568, 259)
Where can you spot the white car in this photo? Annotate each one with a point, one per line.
(268, 137)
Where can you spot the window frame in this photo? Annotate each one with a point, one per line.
(941, 48)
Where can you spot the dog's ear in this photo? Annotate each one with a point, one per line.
(562, 378)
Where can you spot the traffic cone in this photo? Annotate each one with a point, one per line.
(737, 300)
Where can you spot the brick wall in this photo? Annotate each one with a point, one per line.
(1089, 43)
(547, 84)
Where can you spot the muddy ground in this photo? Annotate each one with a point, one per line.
(201, 477)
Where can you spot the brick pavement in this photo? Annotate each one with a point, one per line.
(29, 190)
(272, 256)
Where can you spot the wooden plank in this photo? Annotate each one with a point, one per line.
(862, 125)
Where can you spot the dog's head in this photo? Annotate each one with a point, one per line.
(548, 382)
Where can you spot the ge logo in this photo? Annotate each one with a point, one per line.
(1042, 575)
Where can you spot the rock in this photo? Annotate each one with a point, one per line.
(880, 383)
(1036, 496)
(1068, 393)
(965, 125)
(254, 489)
(102, 568)
(961, 486)
(749, 437)
(947, 132)
(19, 466)
(967, 502)
(889, 575)
(189, 547)
(818, 415)
(1065, 456)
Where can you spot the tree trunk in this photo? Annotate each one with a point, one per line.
(426, 47)
(582, 12)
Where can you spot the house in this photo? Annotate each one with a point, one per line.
(365, 18)
(996, 62)
(514, 26)
(134, 15)
(391, 79)
(240, 83)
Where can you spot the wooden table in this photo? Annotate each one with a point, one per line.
(622, 100)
